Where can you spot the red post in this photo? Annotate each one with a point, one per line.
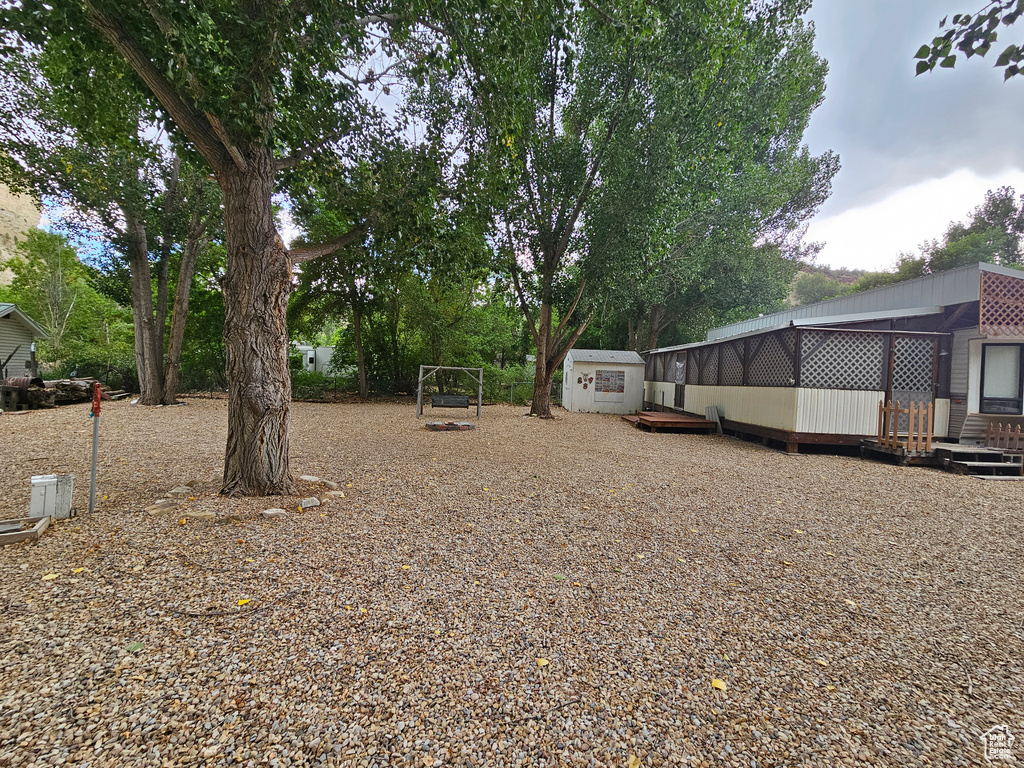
(95, 414)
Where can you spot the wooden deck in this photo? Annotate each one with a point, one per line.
(664, 420)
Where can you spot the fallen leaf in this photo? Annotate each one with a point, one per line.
(850, 602)
(406, 567)
(77, 570)
(183, 521)
(797, 530)
(542, 662)
(244, 602)
(719, 684)
(830, 687)
(830, 554)
(634, 762)
(134, 647)
(362, 610)
(576, 584)
(138, 568)
(51, 576)
(639, 557)
(559, 577)
(786, 562)
(822, 662)
(693, 530)
(249, 560)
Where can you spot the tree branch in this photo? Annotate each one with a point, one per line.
(523, 303)
(556, 356)
(190, 120)
(557, 335)
(310, 252)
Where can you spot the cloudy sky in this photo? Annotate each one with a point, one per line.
(917, 153)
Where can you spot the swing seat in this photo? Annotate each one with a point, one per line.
(449, 401)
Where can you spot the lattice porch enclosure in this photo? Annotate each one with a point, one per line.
(1002, 305)
(842, 360)
(903, 364)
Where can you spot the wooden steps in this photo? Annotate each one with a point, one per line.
(974, 460)
(664, 420)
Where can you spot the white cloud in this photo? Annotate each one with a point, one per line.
(873, 236)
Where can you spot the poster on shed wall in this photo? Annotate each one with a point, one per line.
(609, 386)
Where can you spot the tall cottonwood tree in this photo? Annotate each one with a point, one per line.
(569, 92)
(254, 88)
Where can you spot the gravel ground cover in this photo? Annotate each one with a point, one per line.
(568, 592)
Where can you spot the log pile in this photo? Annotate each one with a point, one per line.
(36, 393)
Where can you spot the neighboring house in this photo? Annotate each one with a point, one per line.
(18, 333)
(817, 374)
(18, 214)
(602, 381)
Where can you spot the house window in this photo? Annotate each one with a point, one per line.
(1001, 382)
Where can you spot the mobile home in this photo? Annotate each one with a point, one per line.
(817, 374)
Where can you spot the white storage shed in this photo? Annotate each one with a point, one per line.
(602, 381)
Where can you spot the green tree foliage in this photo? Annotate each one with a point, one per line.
(71, 134)
(590, 114)
(974, 35)
(992, 234)
(254, 88)
(87, 331)
(812, 287)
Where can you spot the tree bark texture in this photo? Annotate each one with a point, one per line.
(256, 286)
(357, 330)
(148, 338)
(179, 314)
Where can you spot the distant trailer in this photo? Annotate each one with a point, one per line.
(316, 358)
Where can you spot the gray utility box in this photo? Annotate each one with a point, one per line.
(51, 496)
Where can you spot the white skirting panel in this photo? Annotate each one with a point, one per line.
(660, 393)
(838, 411)
(813, 411)
(940, 427)
(774, 407)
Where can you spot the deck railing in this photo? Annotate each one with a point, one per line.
(1005, 437)
(916, 435)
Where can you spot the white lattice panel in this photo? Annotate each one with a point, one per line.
(731, 362)
(709, 366)
(771, 364)
(842, 360)
(913, 361)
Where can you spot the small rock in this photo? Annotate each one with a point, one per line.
(181, 490)
(335, 494)
(201, 514)
(309, 478)
(309, 502)
(275, 512)
(330, 484)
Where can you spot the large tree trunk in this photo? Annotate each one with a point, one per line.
(256, 286)
(179, 314)
(541, 403)
(148, 339)
(357, 329)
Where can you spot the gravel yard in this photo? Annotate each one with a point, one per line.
(528, 593)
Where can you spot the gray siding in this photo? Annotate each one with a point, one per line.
(13, 333)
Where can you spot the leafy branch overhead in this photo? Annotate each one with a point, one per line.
(974, 35)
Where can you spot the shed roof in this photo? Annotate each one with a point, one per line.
(942, 289)
(615, 356)
(12, 309)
